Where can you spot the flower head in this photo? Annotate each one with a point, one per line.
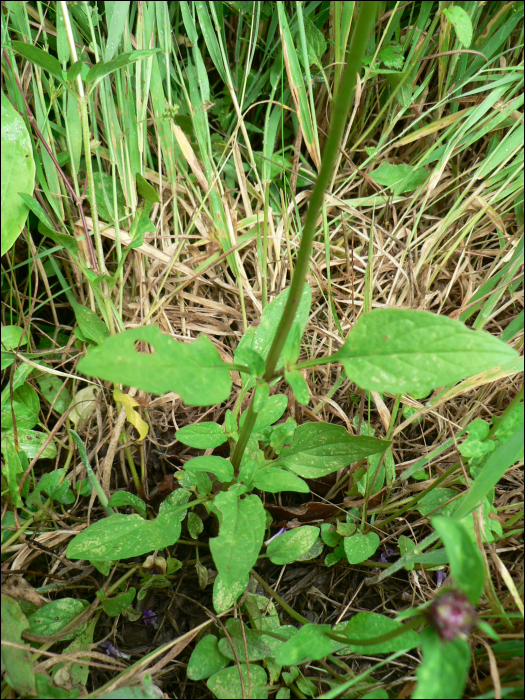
(451, 614)
(149, 617)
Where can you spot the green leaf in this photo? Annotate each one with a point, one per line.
(226, 684)
(101, 69)
(39, 58)
(122, 536)
(293, 544)
(322, 448)
(309, 644)
(26, 407)
(206, 659)
(12, 337)
(361, 547)
(90, 324)
(193, 370)
(62, 239)
(55, 392)
(260, 338)
(76, 673)
(18, 173)
(272, 409)
(461, 22)
(367, 625)
(492, 471)
(37, 209)
(195, 525)
(399, 178)
(466, 562)
(437, 497)
(219, 466)
(120, 499)
(30, 442)
(104, 194)
(282, 435)
(116, 606)
(54, 616)
(392, 55)
(202, 436)
(292, 346)
(16, 663)
(274, 480)
(241, 532)
(443, 671)
(401, 351)
(11, 469)
(299, 386)
(20, 375)
(225, 596)
(53, 484)
(116, 23)
(251, 359)
(257, 649)
(406, 545)
(329, 535)
(315, 41)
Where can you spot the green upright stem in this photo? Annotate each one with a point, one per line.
(342, 105)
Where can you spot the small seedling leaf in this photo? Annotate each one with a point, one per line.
(293, 544)
(202, 436)
(361, 547)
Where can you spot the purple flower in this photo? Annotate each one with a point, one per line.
(384, 556)
(440, 577)
(277, 534)
(149, 617)
(452, 615)
(113, 651)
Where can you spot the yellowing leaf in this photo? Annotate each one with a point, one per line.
(133, 417)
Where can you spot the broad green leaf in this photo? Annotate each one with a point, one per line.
(202, 436)
(101, 69)
(37, 209)
(76, 673)
(39, 58)
(7, 360)
(274, 480)
(251, 359)
(443, 671)
(413, 352)
(322, 448)
(12, 337)
(206, 659)
(62, 239)
(406, 545)
(226, 684)
(53, 485)
(282, 435)
(291, 545)
(309, 644)
(55, 392)
(399, 178)
(225, 596)
(491, 472)
(461, 22)
(26, 407)
(272, 409)
(116, 606)
(104, 194)
(90, 324)
(16, 663)
(292, 346)
(392, 55)
(20, 375)
(195, 525)
(123, 536)
(120, 499)
(466, 562)
(18, 172)
(242, 523)
(193, 370)
(30, 442)
(361, 547)
(329, 535)
(11, 469)
(299, 386)
(222, 468)
(434, 499)
(257, 649)
(54, 616)
(367, 625)
(260, 338)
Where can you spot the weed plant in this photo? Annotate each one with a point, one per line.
(262, 403)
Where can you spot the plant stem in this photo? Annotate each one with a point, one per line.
(342, 104)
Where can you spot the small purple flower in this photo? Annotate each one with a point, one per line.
(113, 651)
(384, 556)
(149, 617)
(452, 615)
(440, 577)
(277, 534)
